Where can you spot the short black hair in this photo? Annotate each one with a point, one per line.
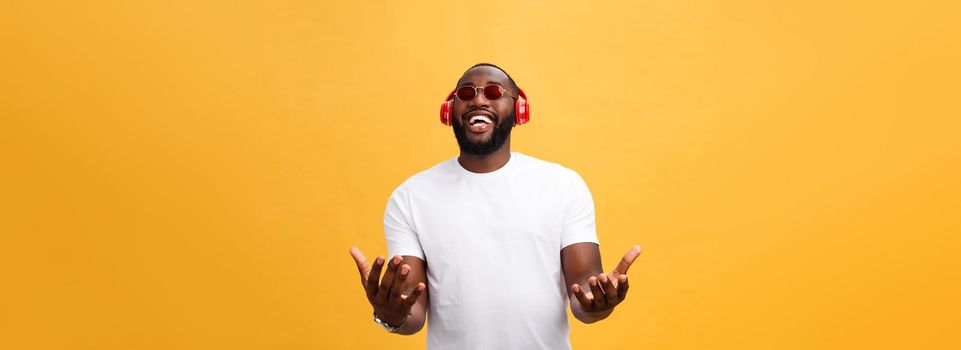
(483, 64)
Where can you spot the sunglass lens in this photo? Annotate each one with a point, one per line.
(466, 93)
(492, 92)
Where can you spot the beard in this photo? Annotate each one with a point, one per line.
(499, 135)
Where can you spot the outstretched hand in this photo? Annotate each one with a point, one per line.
(606, 290)
(387, 295)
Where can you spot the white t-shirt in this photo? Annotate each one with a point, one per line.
(492, 244)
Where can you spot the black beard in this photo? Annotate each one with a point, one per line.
(501, 133)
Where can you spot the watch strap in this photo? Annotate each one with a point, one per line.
(388, 327)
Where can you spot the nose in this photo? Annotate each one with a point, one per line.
(480, 100)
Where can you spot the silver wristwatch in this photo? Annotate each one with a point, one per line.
(389, 328)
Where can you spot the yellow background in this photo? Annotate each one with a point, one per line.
(190, 175)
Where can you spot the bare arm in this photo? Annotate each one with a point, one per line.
(594, 294)
(402, 292)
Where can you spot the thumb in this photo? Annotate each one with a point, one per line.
(626, 261)
(361, 262)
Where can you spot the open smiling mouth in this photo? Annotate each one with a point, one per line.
(479, 123)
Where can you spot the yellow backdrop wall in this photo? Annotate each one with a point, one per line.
(190, 175)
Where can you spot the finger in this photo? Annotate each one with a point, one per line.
(398, 286)
(373, 279)
(384, 292)
(610, 293)
(599, 300)
(586, 303)
(627, 260)
(411, 299)
(622, 287)
(361, 262)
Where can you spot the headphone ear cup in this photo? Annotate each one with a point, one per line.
(522, 109)
(446, 109)
(521, 112)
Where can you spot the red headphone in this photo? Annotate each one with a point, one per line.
(522, 110)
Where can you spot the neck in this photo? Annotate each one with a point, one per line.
(485, 164)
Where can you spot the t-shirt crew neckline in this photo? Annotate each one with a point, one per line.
(459, 169)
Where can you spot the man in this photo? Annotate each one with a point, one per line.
(499, 240)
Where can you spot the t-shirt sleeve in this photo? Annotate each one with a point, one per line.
(579, 215)
(399, 231)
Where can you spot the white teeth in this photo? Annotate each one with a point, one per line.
(482, 118)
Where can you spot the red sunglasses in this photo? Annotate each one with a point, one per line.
(467, 93)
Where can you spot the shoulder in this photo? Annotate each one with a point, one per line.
(546, 169)
(427, 178)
